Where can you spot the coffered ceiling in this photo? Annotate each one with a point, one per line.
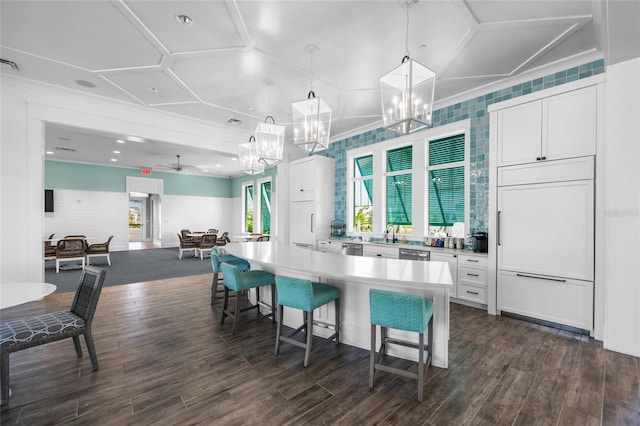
(239, 61)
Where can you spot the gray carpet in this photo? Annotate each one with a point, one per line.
(132, 267)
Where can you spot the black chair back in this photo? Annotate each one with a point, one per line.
(88, 292)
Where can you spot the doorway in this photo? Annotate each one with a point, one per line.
(144, 221)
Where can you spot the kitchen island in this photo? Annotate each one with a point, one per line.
(354, 276)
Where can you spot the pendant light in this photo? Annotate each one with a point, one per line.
(407, 93)
(311, 118)
(269, 138)
(249, 156)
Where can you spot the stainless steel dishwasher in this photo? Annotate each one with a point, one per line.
(352, 249)
(409, 254)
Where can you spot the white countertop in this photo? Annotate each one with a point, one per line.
(339, 266)
(409, 246)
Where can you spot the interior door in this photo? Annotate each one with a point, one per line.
(547, 229)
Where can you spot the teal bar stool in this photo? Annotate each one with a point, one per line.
(216, 259)
(306, 296)
(402, 311)
(241, 281)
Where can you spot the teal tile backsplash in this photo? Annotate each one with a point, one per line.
(474, 109)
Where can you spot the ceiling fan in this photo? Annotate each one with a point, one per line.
(177, 166)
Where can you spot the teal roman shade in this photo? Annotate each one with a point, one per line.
(399, 186)
(446, 184)
(265, 207)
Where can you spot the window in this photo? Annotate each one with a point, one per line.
(363, 193)
(265, 207)
(446, 182)
(247, 195)
(399, 188)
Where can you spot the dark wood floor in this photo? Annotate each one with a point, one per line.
(165, 359)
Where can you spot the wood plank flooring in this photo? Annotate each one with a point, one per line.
(164, 359)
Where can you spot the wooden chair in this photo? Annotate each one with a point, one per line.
(34, 331)
(185, 235)
(49, 249)
(70, 249)
(212, 231)
(263, 238)
(186, 245)
(223, 239)
(206, 244)
(99, 249)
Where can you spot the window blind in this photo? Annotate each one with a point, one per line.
(446, 150)
(265, 207)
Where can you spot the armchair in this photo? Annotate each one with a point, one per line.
(207, 243)
(186, 245)
(70, 249)
(99, 249)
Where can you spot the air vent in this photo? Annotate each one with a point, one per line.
(9, 63)
(60, 148)
(234, 121)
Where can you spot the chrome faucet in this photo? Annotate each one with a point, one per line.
(393, 230)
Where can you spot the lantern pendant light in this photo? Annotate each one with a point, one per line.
(269, 139)
(249, 157)
(311, 118)
(407, 93)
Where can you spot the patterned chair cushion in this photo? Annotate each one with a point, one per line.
(33, 331)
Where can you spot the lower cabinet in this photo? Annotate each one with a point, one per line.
(559, 300)
(472, 278)
(329, 246)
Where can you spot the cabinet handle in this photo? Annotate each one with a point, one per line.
(473, 275)
(379, 255)
(311, 222)
(473, 260)
(543, 158)
(542, 278)
(538, 158)
(472, 292)
(498, 227)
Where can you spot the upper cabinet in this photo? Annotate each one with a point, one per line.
(558, 127)
(311, 174)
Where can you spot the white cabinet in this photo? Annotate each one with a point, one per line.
(372, 250)
(472, 278)
(547, 229)
(452, 260)
(311, 187)
(559, 300)
(330, 246)
(556, 127)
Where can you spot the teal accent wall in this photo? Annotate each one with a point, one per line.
(237, 182)
(87, 177)
(474, 109)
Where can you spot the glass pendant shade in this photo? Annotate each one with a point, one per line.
(311, 123)
(407, 97)
(249, 158)
(270, 142)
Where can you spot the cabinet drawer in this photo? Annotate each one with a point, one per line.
(475, 275)
(477, 261)
(559, 300)
(472, 293)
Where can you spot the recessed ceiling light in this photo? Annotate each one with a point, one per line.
(184, 19)
(85, 83)
(114, 159)
(116, 152)
(205, 170)
(153, 89)
(234, 159)
(49, 152)
(120, 141)
(218, 165)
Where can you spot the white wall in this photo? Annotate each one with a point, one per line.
(194, 213)
(25, 107)
(622, 216)
(96, 214)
